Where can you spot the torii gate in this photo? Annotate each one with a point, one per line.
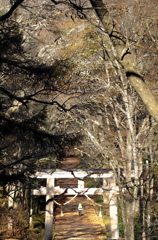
(51, 190)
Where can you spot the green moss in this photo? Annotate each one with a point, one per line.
(38, 221)
(103, 232)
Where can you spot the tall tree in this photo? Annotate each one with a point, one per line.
(121, 48)
(112, 117)
(125, 58)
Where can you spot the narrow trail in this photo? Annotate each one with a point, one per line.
(72, 226)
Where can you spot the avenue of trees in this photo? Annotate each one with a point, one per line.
(81, 75)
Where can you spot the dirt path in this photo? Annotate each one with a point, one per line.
(72, 226)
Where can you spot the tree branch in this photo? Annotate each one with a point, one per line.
(11, 10)
(126, 61)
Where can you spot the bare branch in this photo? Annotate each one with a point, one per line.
(11, 10)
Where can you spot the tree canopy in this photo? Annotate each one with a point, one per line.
(82, 75)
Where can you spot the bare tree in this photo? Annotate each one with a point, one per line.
(93, 93)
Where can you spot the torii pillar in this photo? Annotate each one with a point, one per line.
(80, 184)
(113, 209)
(49, 209)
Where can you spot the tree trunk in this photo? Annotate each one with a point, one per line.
(129, 217)
(129, 199)
(125, 58)
(150, 186)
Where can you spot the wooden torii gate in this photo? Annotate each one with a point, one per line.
(51, 190)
